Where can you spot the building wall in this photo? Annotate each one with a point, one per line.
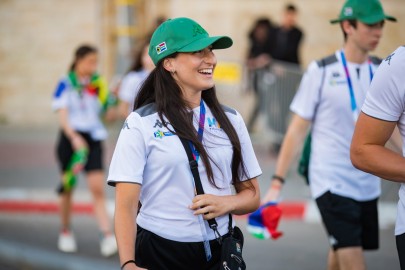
(38, 39)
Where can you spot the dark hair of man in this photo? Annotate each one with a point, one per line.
(81, 53)
(160, 88)
(290, 8)
(352, 23)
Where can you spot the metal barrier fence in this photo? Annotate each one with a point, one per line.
(275, 87)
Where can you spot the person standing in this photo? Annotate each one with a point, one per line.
(150, 164)
(328, 101)
(132, 81)
(382, 111)
(288, 37)
(80, 99)
(258, 60)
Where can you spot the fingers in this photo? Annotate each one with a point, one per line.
(204, 210)
(208, 205)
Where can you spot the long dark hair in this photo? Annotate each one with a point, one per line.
(80, 53)
(160, 88)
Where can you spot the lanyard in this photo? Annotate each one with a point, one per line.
(353, 103)
(200, 132)
(196, 156)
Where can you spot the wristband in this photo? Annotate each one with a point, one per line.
(127, 262)
(279, 178)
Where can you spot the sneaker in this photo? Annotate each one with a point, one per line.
(108, 245)
(67, 242)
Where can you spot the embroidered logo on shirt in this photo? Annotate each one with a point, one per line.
(213, 124)
(160, 124)
(162, 134)
(389, 58)
(125, 126)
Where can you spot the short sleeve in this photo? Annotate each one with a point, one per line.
(129, 87)
(386, 96)
(59, 100)
(307, 96)
(248, 154)
(129, 158)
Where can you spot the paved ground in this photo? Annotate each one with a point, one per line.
(28, 239)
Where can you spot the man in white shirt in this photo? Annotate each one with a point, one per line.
(328, 100)
(384, 109)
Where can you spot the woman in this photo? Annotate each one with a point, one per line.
(259, 58)
(131, 83)
(80, 98)
(150, 164)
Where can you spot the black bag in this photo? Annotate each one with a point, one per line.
(231, 249)
(232, 244)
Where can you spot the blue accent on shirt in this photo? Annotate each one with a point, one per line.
(60, 88)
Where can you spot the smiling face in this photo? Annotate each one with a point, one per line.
(193, 72)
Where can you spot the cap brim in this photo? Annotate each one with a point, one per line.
(390, 18)
(218, 42)
(368, 20)
(335, 21)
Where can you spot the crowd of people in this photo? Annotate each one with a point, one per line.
(169, 103)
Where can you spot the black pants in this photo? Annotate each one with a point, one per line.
(156, 253)
(400, 239)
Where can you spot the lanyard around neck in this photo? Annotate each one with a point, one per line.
(355, 110)
(200, 132)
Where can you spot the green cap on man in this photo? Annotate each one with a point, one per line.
(365, 11)
(182, 35)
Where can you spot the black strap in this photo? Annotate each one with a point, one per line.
(199, 188)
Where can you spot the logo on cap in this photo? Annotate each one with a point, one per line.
(198, 30)
(161, 48)
(348, 11)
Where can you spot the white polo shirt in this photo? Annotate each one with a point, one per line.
(148, 154)
(84, 112)
(386, 101)
(333, 126)
(130, 86)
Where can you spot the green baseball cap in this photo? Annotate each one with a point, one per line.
(366, 11)
(182, 35)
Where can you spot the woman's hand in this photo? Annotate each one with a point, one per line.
(78, 142)
(211, 206)
(273, 192)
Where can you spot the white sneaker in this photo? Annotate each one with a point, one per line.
(67, 242)
(108, 245)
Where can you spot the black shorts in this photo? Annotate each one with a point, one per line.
(64, 152)
(349, 223)
(156, 253)
(400, 239)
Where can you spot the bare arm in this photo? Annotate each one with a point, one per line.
(126, 206)
(293, 139)
(123, 109)
(368, 152)
(245, 201)
(75, 138)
